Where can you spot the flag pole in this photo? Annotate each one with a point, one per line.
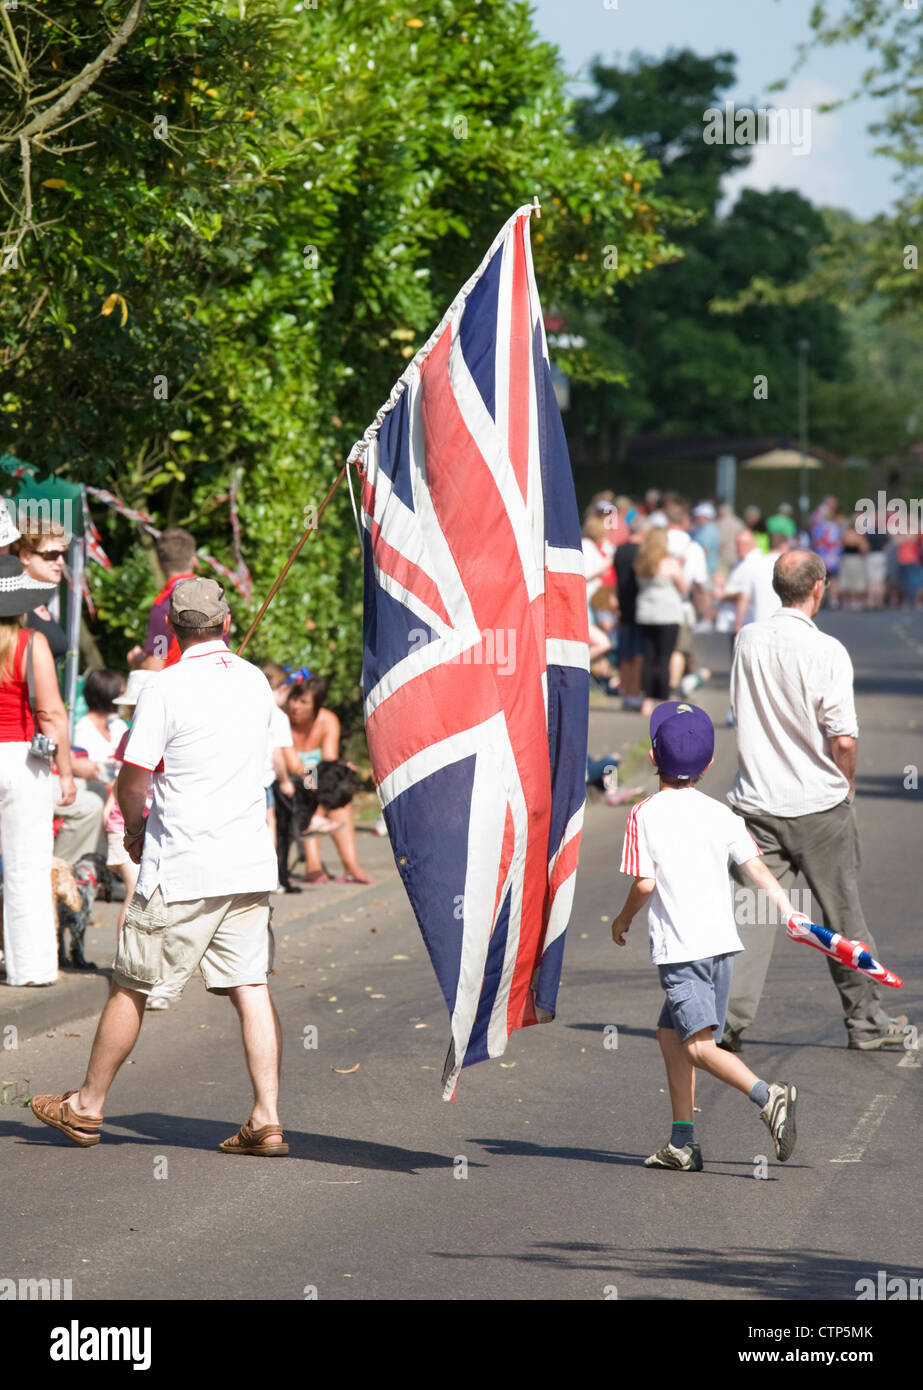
(289, 562)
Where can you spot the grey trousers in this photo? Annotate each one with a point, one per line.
(82, 832)
(824, 847)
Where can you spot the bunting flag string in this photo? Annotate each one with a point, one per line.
(93, 541)
(240, 580)
(242, 572)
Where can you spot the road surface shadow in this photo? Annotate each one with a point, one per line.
(194, 1133)
(524, 1148)
(805, 1275)
(624, 1029)
(890, 788)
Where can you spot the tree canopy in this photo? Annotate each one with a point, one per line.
(249, 215)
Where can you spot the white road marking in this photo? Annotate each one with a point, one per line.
(904, 633)
(913, 1057)
(859, 1140)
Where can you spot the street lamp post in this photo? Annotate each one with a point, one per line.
(803, 499)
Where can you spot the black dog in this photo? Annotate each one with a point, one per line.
(330, 784)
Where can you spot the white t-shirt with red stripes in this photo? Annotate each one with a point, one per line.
(683, 840)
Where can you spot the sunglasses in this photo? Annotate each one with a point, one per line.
(52, 554)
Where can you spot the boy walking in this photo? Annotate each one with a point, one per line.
(677, 846)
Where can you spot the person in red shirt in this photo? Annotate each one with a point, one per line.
(176, 555)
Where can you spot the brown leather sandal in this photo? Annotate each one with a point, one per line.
(251, 1141)
(57, 1112)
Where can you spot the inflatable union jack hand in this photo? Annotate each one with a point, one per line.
(853, 954)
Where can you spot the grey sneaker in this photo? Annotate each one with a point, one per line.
(687, 1159)
(778, 1115)
(893, 1036)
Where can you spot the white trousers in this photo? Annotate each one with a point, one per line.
(26, 805)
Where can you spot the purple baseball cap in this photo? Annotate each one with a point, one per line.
(683, 739)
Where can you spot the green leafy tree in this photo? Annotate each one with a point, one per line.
(687, 370)
(267, 210)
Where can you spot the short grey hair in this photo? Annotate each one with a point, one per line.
(793, 582)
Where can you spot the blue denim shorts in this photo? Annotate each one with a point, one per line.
(697, 995)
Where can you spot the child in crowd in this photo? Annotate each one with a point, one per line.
(677, 846)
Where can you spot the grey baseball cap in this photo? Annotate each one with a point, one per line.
(198, 603)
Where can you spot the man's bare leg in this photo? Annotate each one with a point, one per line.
(116, 1034)
(262, 1037)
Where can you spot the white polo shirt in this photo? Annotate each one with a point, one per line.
(683, 840)
(202, 728)
(280, 736)
(791, 693)
(753, 576)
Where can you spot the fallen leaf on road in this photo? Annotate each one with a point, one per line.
(393, 958)
(345, 1071)
(331, 999)
(421, 1025)
(584, 936)
(72, 1035)
(378, 996)
(507, 1064)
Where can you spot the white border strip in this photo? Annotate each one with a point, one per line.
(453, 311)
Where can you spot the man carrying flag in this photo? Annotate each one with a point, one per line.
(475, 670)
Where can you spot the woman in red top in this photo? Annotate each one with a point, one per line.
(26, 786)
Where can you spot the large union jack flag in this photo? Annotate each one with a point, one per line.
(475, 669)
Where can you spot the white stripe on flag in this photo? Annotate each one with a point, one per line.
(558, 652)
(493, 447)
(563, 559)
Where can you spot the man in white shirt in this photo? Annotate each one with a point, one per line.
(792, 700)
(750, 581)
(207, 865)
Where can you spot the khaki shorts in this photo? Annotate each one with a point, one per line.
(116, 853)
(684, 640)
(229, 938)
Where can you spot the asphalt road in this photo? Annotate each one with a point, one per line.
(530, 1185)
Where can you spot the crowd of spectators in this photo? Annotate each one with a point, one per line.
(662, 569)
(63, 806)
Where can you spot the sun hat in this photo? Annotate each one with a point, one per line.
(9, 531)
(19, 593)
(136, 683)
(683, 739)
